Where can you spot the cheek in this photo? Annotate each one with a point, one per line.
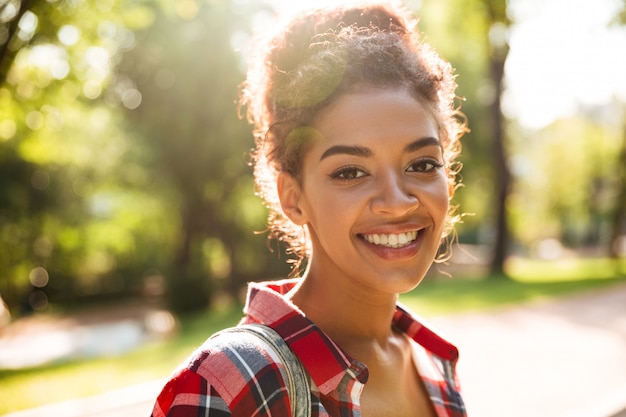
(331, 211)
(438, 197)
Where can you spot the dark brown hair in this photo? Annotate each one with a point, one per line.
(320, 55)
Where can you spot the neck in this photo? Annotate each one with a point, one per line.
(349, 314)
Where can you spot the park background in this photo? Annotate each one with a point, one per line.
(124, 177)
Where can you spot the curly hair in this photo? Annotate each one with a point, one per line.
(317, 57)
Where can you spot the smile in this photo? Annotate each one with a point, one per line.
(392, 240)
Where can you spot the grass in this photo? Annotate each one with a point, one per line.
(531, 281)
(565, 269)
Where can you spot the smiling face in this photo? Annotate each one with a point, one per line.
(373, 191)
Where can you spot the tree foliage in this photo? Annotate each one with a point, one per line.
(188, 72)
(473, 36)
(570, 199)
(121, 154)
(514, 177)
(59, 143)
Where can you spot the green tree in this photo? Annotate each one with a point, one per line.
(121, 152)
(619, 218)
(499, 24)
(187, 72)
(618, 229)
(568, 199)
(473, 36)
(59, 145)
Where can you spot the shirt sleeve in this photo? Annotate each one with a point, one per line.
(188, 394)
(232, 374)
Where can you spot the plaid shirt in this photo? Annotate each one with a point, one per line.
(240, 376)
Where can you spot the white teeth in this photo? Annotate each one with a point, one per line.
(392, 240)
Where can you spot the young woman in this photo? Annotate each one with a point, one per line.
(356, 134)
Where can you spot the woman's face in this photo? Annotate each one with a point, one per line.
(373, 191)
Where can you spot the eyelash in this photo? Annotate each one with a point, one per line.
(341, 173)
(351, 173)
(424, 162)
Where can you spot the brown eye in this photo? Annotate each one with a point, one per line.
(424, 165)
(348, 173)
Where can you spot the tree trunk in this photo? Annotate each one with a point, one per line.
(619, 218)
(183, 252)
(498, 52)
(501, 171)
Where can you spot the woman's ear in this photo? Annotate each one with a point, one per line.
(290, 196)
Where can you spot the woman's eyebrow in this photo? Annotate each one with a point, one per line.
(362, 151)
(354, 150)
(422, 143)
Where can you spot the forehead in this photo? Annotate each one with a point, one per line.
(375, 116)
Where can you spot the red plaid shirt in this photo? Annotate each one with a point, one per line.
(241, 377)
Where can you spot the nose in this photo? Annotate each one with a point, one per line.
(393, 196)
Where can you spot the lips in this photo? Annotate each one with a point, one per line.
(392, 240)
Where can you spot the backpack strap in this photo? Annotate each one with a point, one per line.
(298, 387)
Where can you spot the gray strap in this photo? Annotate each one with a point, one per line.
(298, 386)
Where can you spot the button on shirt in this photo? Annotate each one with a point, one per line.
(238, 376)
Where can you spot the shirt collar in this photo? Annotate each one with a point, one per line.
(325, 361)
(417, 329)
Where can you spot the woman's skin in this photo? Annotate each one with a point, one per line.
(373, 193)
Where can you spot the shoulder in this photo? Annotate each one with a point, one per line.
(244, 371)
(187, 393)
(232, 350)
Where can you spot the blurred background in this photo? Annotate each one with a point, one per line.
(125, 190)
